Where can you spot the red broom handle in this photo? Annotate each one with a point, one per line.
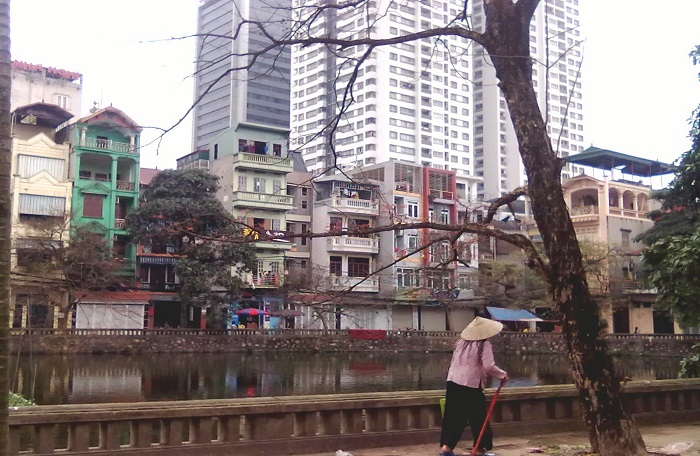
(488, 415)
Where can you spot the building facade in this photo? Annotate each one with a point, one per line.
(433, 102)
(226, 91)
(39, 84)
(104, 163)
(41, 195)
(253, 164)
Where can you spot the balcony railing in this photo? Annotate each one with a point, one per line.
(263, 200)
(360, 284)
(125, 185)
(354, 205)
(584, 210)
(353, 244)
(108, 144)
(266, 162)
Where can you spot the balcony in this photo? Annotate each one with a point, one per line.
(584, 214)
(359, 284)
(126, 186)
(108, 145)
(353, 244)
(263, 162)
(159, 286)
(355, 206)
(262, 201)
(633, 287)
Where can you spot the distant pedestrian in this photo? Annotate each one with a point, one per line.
(636, 330)
(472, 363)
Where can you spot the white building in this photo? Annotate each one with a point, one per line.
(39, 84)
(431, 102)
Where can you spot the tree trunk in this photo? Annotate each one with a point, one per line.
(612, 431)
(5, 217)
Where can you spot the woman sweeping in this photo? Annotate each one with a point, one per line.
(472, 363)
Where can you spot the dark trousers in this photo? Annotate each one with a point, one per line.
(464, 405)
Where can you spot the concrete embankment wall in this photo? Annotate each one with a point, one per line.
(314, 341)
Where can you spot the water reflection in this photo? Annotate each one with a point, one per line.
(158, 377)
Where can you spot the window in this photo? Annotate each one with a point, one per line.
(412, 209)
(358, 267)
(625, 235)
(412, 241)
(304, 191)
(62, 101)
(304, 229)
(406, 277)
(303, 264)
(242, 183)
(304, 204)
(277, 150)
(335, 266)
(259, 185)
(92, 205)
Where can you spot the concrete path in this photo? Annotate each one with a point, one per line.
(569, 444)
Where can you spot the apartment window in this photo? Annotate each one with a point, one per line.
(412, 241)
(92, 205)
(625, 235)
(276, 187)
(62, 101)
(335, 266)
(358, 267)
(406, 277)
(304, 204)
(259, 185)
(303, 264)
(412, 209)
(242, 183)
(304, 191)
(304, 229)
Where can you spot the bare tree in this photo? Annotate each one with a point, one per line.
(60, 265)
(5, 217)
(505, 38)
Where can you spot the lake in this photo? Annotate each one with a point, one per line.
(69, 379)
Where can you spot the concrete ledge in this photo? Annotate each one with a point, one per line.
(308, 424)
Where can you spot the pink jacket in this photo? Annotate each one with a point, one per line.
(465, 368)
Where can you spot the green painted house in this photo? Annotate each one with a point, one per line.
(104, 166)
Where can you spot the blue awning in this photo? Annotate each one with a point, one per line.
(501, 314)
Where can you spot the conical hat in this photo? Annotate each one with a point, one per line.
(481, 328)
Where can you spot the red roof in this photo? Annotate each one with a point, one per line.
(109, 297)
(146, 175)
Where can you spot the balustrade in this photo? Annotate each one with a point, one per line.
(320, 423)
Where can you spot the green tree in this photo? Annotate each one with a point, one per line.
(672, 260)
(5, 217)
(180, 209)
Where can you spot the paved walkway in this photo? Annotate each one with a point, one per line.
(655, 437)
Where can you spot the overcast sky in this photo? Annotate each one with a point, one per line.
(639, 86)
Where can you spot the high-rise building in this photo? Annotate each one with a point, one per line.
(554, 46)
(432, 102)
(226, 91)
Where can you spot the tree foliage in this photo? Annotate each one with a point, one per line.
(180, 209)
(672, 260)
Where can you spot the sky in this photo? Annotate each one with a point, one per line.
(639, 86)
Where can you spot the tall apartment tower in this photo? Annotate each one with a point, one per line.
(259, 95)
(431, 102)
(554, 46)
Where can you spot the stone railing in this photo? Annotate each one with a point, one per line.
(309, 424)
